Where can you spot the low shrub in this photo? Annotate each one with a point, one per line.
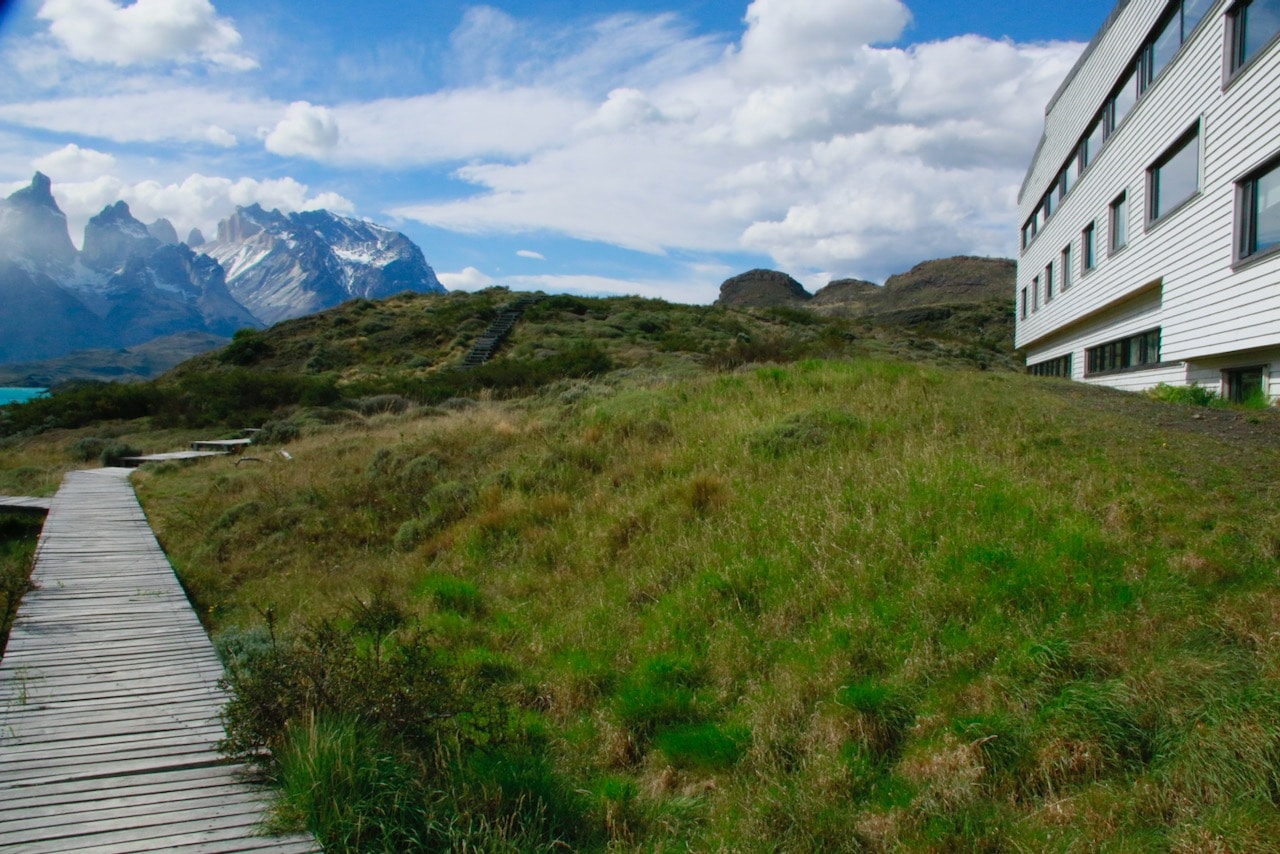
(87, 449)
(1193, 395)
(115, 453)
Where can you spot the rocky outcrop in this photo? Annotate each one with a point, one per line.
(762, 289)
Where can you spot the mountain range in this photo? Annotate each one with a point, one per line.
(132, 282)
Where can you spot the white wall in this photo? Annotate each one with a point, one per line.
(1208, 308)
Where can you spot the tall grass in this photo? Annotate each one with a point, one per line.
(852, 605)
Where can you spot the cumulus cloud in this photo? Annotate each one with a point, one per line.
(469, 279)
(145, 32)
(530, 254)
(305, 130)
(199, 201)
(783, 35)
(73, 163)
(806, 141)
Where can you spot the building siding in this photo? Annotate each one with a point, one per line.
(1207, 309)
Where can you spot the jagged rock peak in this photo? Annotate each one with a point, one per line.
(163, 231)
(33, 229)
(762, 289)
(39, 192)
(196, 238)
(113, 237)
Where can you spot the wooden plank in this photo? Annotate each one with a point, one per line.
(109, 697)
(25, 504)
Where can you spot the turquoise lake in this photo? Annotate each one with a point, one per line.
(17, 395)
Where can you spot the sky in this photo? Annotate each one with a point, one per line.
(581, 146)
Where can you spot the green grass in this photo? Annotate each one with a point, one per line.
(680, 578)
(828, 605)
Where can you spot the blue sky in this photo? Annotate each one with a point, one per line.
(598, 146)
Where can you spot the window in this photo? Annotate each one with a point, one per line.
(1035, 294)
(1245, 384)
(1259, 212)
(1175, 177)
(1167, 40)
(1119, 222)
(1123, 101)
(1048, 282)
(1254, 24)
(1093, 142)
(1051, 201)
(1135, 351)
(1023, 297)
(1193, 12)
(1088, 251)
(1066, 267)
(1059, 367)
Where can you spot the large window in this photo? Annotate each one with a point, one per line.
(1088, 249)
(1259, 212)
(1175, 177)
(1119, 222)
(1135, 351)
(1254, 24)
(1123, 101)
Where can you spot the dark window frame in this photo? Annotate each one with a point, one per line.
(1089, 249)
(1190, 137)
(1237, 33)
(1137, 352)
(1065, 261)
(1246, 251)
(1116, 215)
(1059, 366)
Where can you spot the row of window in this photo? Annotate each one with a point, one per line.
(1253, 25)
(1135, 351)
(1125, 353)
(1171, 181)
(1059, 367)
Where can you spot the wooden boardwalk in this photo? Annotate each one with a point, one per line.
(109, 700)
(23, 504)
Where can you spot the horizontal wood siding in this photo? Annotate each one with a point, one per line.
(1209, 308)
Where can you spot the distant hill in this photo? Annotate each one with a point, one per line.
(962, 279)
(963, 297)
(144, 362)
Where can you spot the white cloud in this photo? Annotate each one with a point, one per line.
(530, 254)
(73, 163)
(199, 201)
(805, 142)
(305, 130)
(144, 32)
(783, 35)
(469, 279)
(163, 114)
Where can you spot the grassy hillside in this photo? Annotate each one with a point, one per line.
(837, 604)
(357, 356)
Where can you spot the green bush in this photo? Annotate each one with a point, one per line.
(115, 453)
(1194, 394)
(87, 449)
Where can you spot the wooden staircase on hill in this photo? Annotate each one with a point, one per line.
(488, 343)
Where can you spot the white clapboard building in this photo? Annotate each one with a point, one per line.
(1150, 241)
